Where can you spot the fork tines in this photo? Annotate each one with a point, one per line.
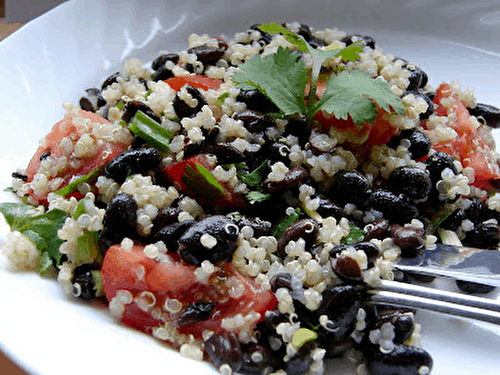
(415, 296)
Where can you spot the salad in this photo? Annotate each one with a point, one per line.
(236, 200)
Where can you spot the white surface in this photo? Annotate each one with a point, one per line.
(75, 46)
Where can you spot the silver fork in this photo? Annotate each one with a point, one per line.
(450, 262)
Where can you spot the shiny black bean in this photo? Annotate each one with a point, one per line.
(254, 121)
(208, 55)
(110, 80)
(166, 216)
(328, 208)
(293, 179)
(367, 40)
(227, 154)
(305, 32)
(21, 176)
(281, 280)
(350, 187)
(182, 109)
(377, 229)
(347, 269)
(306, 229)
(410, 240)
(396, 208)
(420, 144)
(162, 74)
(417, 79)
(132, 162)
(195, 313)
(489, 113)
(317, 43)
(299, 364)
(84, 285)
(259, 359)
(484, 235)
(257, 101)
(171, 233)
(133, 106)
(265, 37)
(214, 239)
(298, 127)
(403, 322)
(119, 221)
(279, 152)
(160, 61)
(260, 227)
(402, 360)
(414, 182)
(436, 164)
(224, 348)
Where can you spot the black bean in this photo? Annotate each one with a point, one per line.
(305, 31)
(21, 176)
(402, 360)
(182, 109)
(166, 216)
(350, 187)
(119, 221)
(133, 106)
(420, 144)
(171, 233)
(367, 40)
(132, 162)
(298, 127)
(293, 179)
(347, 269)
(281, 280)
(260, 227)
(224, 349)
(84, 285)
(489, 113)
(265, 37)
(254, 121)
(195, 313)
(162, 74)
(257, 101)
(454, 220)
(410, 240)
(395, 208)
(192, 246)
(279, 151)
(227, 154)
(484, 235)
(317, 43)
(414, 182)
(474, 288)
(328, 208)
(208, 55)
(299, 364)
(45, 155)
(110, 80)
(417, 79)
(369, 248)
(259, 359)
(306, 229)
(377, 229)
(437, 163)
(160, 61)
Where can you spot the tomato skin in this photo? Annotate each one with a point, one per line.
(197, 81)
(72, 129)
(470, 145)
(167, 277)
(176, 173)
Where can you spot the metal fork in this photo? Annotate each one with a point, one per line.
(451, 262)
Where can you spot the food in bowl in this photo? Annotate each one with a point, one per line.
(236, 200)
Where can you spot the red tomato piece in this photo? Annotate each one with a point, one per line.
(186, 177)
(198, 81)
(159, 289)
(66, 133)
(470, 146)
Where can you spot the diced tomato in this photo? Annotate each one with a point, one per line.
(71, 128)
(164, 287)
(379, 132)
(194, 80)
(186, 177)
(470, 146)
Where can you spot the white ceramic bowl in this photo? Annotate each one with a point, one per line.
(57, 56)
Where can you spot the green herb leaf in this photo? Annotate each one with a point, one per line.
(44, 263)
(202, 183)
(258, 196)
(40, 229)
(221, 99)
(355, 235)
(303, 336)
(355, 94)
(274, 28)
(254, 178)
(151, 131)
(281, 76)
(284, 223)
(72, 187)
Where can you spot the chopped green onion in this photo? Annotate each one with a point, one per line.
(87, 248)
(151, 131)
(303, 336)
(72, 187)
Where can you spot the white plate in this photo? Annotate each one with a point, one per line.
(55, 57)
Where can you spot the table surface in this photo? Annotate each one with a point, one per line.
(6, 365)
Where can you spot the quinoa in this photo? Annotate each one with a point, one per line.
(323, 228)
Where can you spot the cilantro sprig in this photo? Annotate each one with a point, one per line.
(284, 78)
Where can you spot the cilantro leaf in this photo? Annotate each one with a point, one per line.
(257, 196)
(355, 93)
(256, 176)
(280, 76)
(284, 223)
(201, 182)
(355, 235)
(40, 229)
(274, 28)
